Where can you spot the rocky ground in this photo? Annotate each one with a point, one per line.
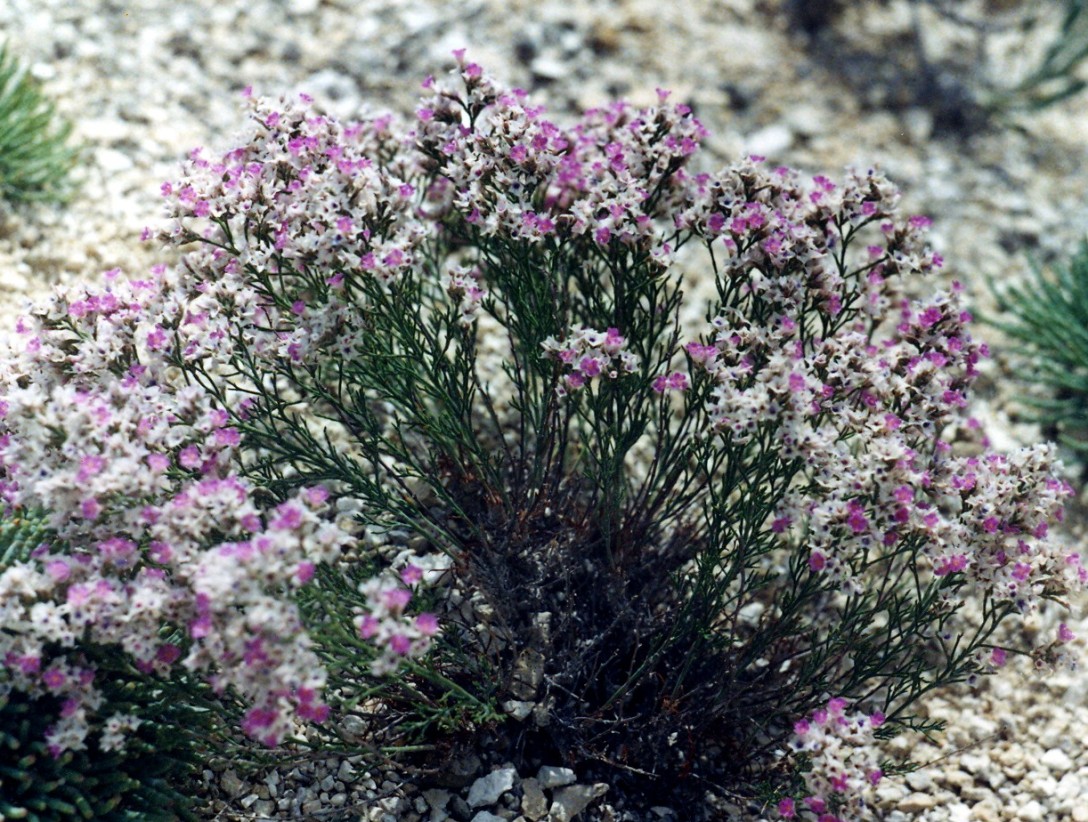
(814, 85)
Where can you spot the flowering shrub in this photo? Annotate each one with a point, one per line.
(458, 353)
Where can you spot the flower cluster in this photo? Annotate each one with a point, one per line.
(587, 354)
(385, 623)
(841, 751)
(861, 403)
(287, 225)
(462, 285)
(118, 420)
(151, 527)
(293, 160)
(513, 173)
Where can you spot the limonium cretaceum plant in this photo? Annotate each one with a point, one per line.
(423, 424)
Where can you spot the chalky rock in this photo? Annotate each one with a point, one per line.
(487, 789)
(770, 141)
(570, 801)
(1032, 811)
(552, 777)
(436, 799)
(346, 772)
(231, 784)
(518, 709)
(1056, 760)
(916, 803)
(354, 728)
(533, 802)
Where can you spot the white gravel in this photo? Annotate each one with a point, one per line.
(146, 80)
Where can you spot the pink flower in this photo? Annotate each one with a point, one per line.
(590, 366)
(316, 712)
(675, 381)
(168, 654)
(950, 565)
(427, 624)
(288, 518)
(200, 627)
(368, 627)
(53, 679)
(396, 599)
(160, 552)
(411, 575)
(304, 572)
(257, 719)
(158, 462)
(189, 457)
(228, 437)
(89, 466)
(90, 509)
(856, 519)
(700, 353)
(58, 569)
(316, 495)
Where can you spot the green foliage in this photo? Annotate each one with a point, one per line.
(1055, 77)
(144, 782)
(1047, 316)
(35, 158)
(136, 784)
